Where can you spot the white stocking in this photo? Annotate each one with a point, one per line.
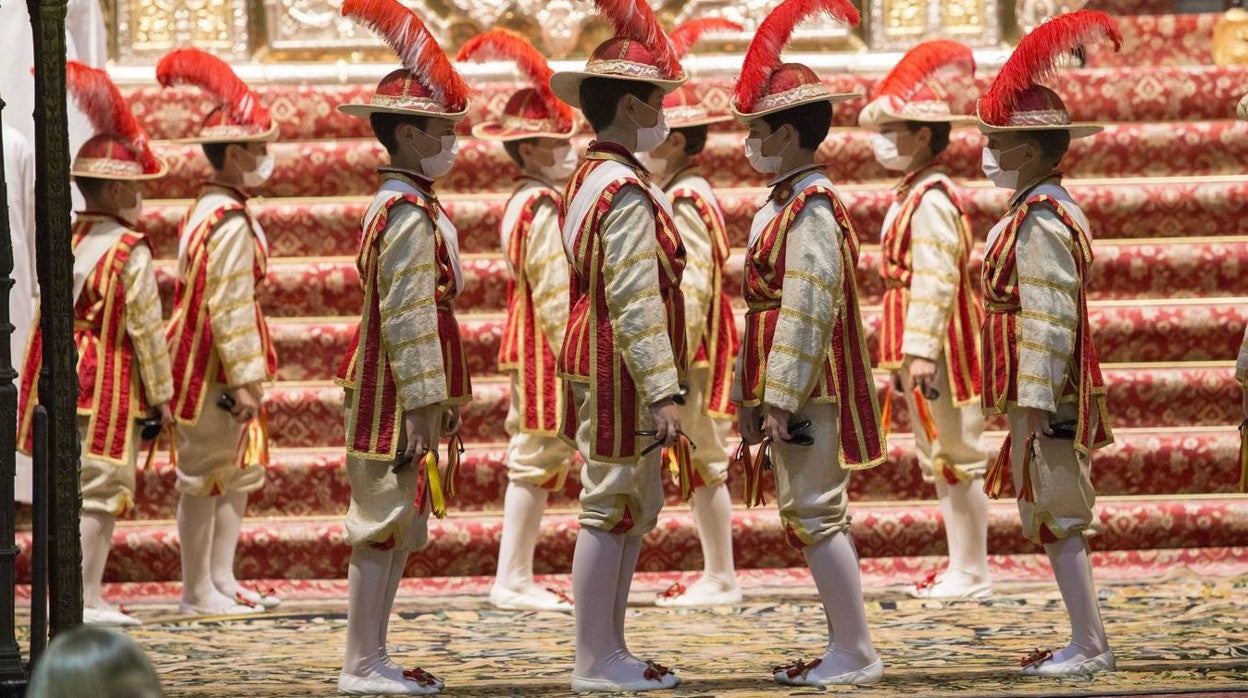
(597, 567)
(398, 562)
(624, 586)
(523, 506)
(964, 507)
(1073, 570)
(196, 517)
(96, 531)
(368, 579)
(226, 527)
(834, 566)
(712, 509)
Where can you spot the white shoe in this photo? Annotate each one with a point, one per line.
(799, 675)
(1041, 663)
(656, 678)
(680, 596)
(109, 618)
(944, 589)
(187, 609)
(380, 685)
(252, 597)
(551, 600)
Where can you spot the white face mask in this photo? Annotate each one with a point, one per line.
(651, 137)
(130, 214)
(264, 169)
(884, 146)
(1006, 179)
(763, 164)
(437, 165)
(656, 165)
(563, 167)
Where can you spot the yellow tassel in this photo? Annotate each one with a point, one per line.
(1243, 456)
(925, 416)
(994, 479)
(434, 481)
(169, 434)
(254, 448)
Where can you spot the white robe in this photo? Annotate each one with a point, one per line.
(19, 175)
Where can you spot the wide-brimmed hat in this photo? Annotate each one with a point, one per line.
(1016, 102)
(640, 51)
(912, 90)
(238, 117)
(766, 85)
(120, 147)
(532, 112)
(427, 84)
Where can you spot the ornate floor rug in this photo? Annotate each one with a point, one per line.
(1184, 634)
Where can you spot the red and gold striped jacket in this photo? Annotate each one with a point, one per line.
(525, 348)
(842, 372)
(897, 267)
(370, 367)
(1003, 338)
(591, 352)
(111, 392)
(192, 345)
(717, 347)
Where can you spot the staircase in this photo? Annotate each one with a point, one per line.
(1163, 187)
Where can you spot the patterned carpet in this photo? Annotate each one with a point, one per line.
(1181, 634)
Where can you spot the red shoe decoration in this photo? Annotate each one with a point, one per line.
(243, 600)
(563, 596)
(926, 582)
(798, 668)
(676, 589)
(420, 676)
(1035, 657)
(655, 671)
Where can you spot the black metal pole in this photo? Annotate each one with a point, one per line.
(12, 674)
(58, 381)
(39, 546)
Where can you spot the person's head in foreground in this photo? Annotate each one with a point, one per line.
(96, 662)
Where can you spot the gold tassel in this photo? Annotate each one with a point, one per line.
(994, 479)
(434, 484)
(925, 416)
(1243, 456)
(754, 478)
(170, 435)
(254, 446)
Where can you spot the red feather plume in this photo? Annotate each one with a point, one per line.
(633, 19)
(94, 92)
(190, 66)
(417, 49)
(505, 44)
(763, 55)
(687, 34)
(1035, 58)
(921, 63)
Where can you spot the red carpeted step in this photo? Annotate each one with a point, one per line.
(1140, 395)
(348, 167)
(1195, 330)
(1151, 37)
(1123, 269)
(1180, 93)
(302, 548)
(1130, 209)
(313, 482)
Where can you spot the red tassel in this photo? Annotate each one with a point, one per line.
(1026, 493)
(925, 416)
(994, 479)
